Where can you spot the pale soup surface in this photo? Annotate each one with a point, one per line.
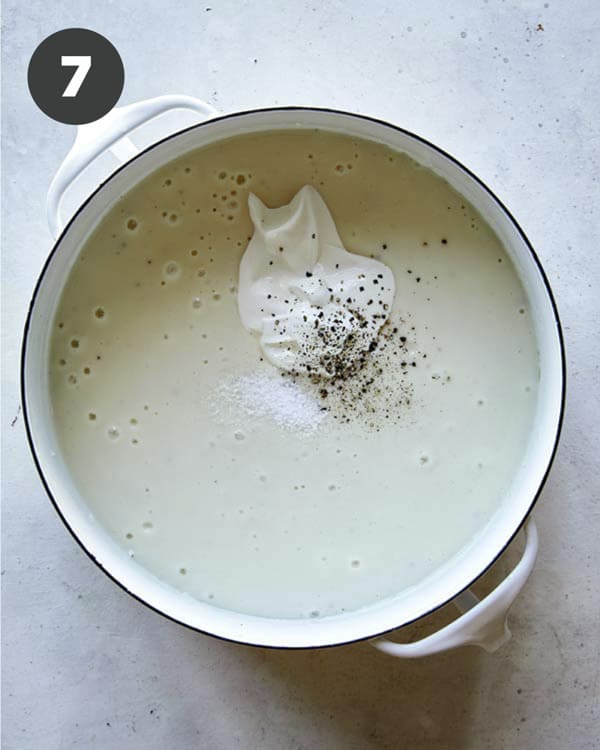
(258, 494)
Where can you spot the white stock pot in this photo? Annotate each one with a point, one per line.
(480, 622)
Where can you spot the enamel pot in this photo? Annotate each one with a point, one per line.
(479, 622)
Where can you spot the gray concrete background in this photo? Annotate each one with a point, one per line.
(511, 89)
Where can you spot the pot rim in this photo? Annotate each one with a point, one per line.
(331, 111)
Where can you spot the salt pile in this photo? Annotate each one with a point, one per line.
(261, 395)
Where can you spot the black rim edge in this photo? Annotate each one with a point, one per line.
(353, 115)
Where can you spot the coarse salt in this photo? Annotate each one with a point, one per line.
(268, 396)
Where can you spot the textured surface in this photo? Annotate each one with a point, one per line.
(510, 89)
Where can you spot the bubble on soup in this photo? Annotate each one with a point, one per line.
(171, 270)
(113, 432)
(171, 217)
(196, 303)
(239, 435)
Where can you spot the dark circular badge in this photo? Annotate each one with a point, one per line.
(75, 76)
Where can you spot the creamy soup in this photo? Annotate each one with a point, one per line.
(255, 487)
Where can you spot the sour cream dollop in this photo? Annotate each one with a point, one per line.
(316, 308)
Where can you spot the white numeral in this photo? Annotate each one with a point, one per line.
(83, 63)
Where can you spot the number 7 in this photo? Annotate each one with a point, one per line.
(83, 63)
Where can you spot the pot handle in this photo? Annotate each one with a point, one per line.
(482, 622)
(110, 133)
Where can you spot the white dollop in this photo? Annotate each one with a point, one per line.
(311, 302)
